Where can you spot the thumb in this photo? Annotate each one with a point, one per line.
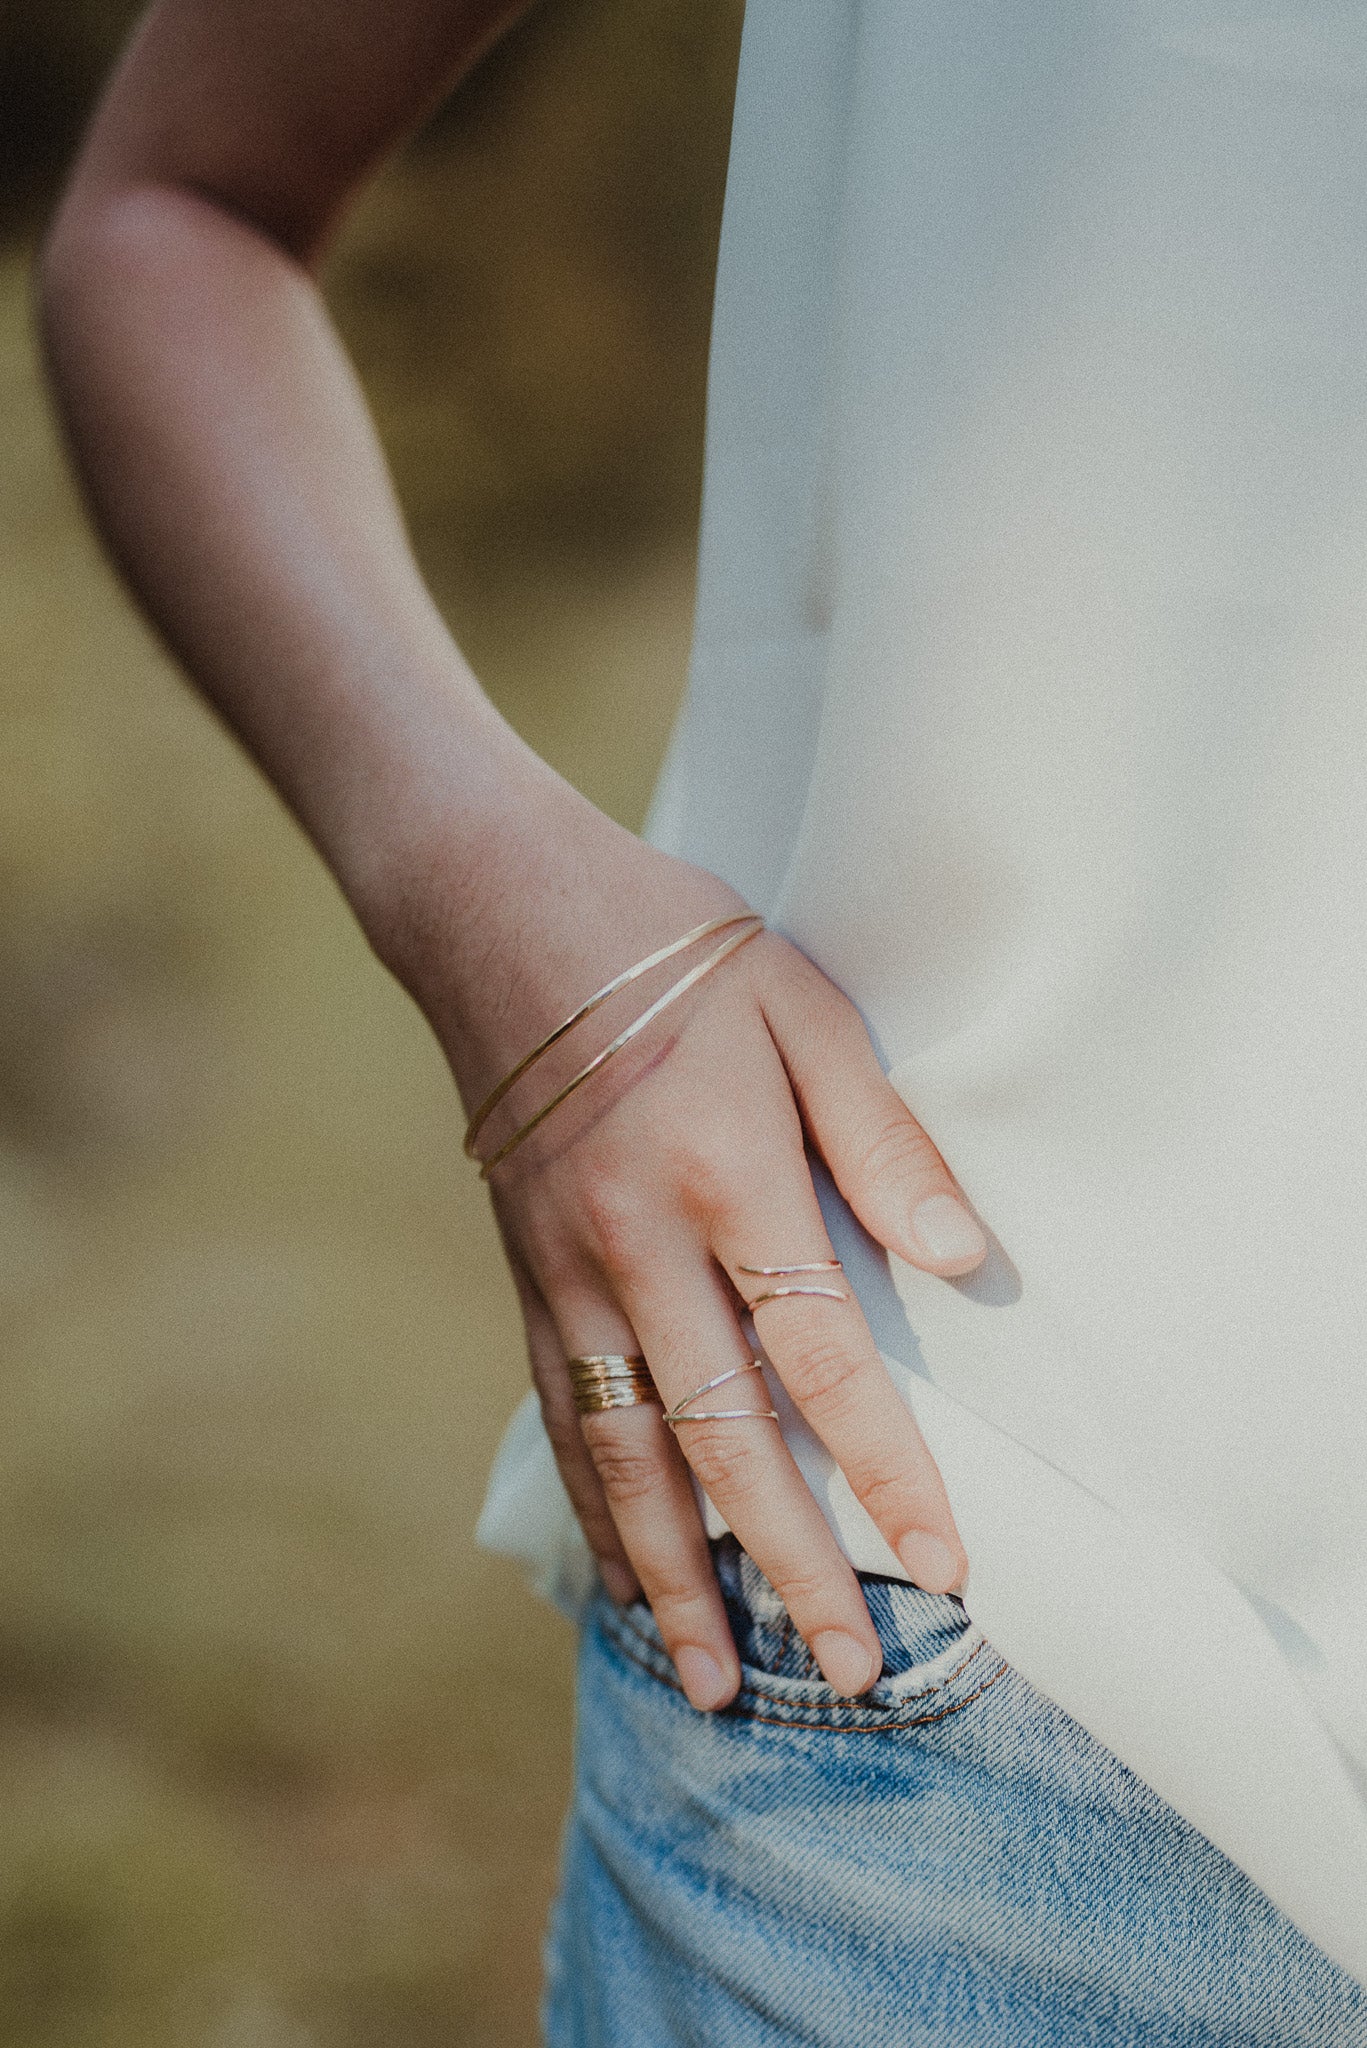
(883, 1163)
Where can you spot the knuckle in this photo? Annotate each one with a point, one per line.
(898, 1151)
(613, 1218)
(629, 1472)
(890, 1498)
(748, 1192)
(676, 1600)
(720, 1455)
(803, 1592)
(710, 1176)
(820, 1371)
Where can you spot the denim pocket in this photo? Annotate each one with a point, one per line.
(935, 1661)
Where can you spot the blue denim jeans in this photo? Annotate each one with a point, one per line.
(950, 1862)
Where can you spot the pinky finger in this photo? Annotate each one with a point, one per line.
(572, 1454)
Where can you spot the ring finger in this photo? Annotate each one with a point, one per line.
(646, 1484)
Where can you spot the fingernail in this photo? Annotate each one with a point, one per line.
(702, 1678)
(849, 1665)
(947, 1230)
(933, 1565)
(621, 1583)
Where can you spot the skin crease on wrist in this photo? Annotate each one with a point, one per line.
(230, 462)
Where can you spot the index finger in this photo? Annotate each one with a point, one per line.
(781, 1263)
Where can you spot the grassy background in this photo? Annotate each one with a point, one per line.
(282, 1758)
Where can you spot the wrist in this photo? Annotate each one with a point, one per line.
(500, 897)
(428, 852)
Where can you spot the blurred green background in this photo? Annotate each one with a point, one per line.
(282, 1757)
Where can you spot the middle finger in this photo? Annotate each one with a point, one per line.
(814, 1332)
(691, 1334)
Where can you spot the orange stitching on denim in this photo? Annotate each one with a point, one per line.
(828, 1725)
(785, 1637)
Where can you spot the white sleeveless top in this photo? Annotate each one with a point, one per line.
(1030, 699)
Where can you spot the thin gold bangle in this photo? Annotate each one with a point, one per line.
(755, 925)
(595, 1002)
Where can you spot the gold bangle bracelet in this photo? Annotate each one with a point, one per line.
(754, 925)
(595, 1002)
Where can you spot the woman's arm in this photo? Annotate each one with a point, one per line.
(231, 464)
(222, 437)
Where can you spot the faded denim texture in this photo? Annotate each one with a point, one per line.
(951, 1862)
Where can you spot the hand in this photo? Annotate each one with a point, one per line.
(629, 1216)
(231, 463)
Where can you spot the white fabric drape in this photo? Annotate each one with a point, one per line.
(1029, 697)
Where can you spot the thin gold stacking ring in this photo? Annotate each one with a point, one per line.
(812, 1266)
(610, 1379)
(749, 924)
(781, 1293)
(678, 1413)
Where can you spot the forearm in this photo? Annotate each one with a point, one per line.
(230, 460)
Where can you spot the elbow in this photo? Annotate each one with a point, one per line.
(98, 225)
(122, 270)
(104, 237)
(90, 257)
(117, 255)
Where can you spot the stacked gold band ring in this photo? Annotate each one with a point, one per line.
(609, 1379)
(780, 1293)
